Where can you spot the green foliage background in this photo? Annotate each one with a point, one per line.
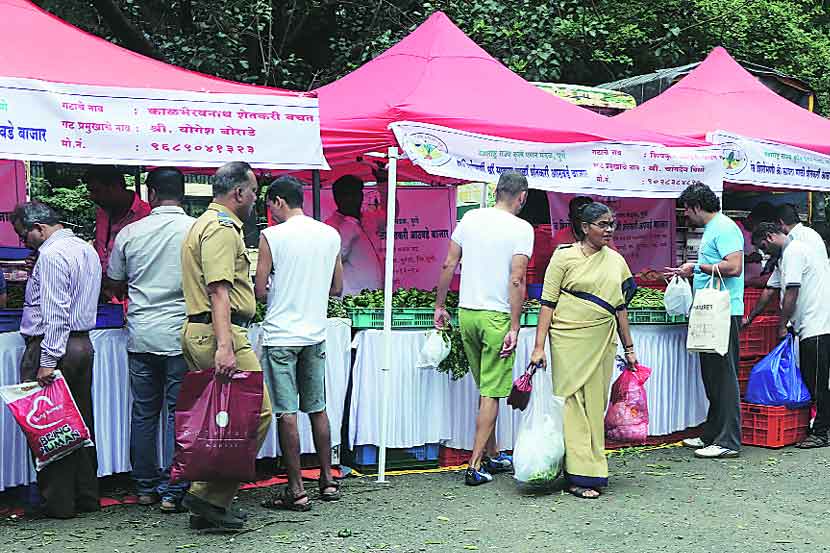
(303, 44)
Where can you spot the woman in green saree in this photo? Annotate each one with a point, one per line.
(584, 308)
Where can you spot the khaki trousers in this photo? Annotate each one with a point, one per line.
(199, 349)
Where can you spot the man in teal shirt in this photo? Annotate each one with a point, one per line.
(721, 252)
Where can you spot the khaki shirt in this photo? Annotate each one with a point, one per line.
(214, 251)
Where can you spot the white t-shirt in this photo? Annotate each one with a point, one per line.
(303, 252)
(362, 267)
(801, 265)
(489, 238)
(809, 237)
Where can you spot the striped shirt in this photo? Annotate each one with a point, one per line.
(62, 294)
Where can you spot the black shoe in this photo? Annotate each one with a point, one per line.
(209, 516)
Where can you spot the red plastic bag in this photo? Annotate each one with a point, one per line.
(627, 417)
(49, 418)
(216, 427)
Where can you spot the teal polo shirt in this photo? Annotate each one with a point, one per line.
(721, 237)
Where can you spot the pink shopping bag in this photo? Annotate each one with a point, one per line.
(216, 427)
(49, 418)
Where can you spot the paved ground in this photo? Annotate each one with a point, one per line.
(659, 501)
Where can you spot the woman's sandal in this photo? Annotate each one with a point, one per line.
(813, 441)
(583, 493)
(287, 501)
(329, 496)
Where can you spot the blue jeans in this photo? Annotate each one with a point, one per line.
(154, 379)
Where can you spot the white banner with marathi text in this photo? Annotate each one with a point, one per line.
(764, 163)
(605, 168)
(47, 121)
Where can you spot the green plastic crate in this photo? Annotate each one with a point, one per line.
(421, 317)
(654, 317)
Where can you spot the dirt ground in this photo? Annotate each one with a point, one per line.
(659, 501)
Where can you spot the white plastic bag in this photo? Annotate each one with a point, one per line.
(435, 350)
(540, 445)
(678, 298)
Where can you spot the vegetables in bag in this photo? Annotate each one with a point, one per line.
(435, 349)
(776, 379)
(678, 298)
(626, 419)
(49, 418)
(540, 445)
(216, 427)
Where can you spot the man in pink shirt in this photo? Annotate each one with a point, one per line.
(117, 207)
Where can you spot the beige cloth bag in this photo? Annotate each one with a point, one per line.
(710, 320)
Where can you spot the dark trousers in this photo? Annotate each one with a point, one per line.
(814, 355)
(720, 380)
(70, 484)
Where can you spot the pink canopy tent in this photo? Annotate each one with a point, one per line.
(42, 46)
(721, 95)
(439, 75)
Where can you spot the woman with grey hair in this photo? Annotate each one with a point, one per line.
(584, 309)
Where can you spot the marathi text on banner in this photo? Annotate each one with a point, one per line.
(90, 124)
(645, 234)
(608, 168)
(764, 163)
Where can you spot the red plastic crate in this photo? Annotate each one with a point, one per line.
(760, 337)
(751, 297)
(766, 426)
(451, 457)
(744, 368)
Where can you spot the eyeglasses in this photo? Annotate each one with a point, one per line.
(605, 225)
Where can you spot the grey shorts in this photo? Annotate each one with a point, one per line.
(296, 377)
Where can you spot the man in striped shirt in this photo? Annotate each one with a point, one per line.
(60, 310)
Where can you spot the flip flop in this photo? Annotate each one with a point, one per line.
(287, 501)
(579, 491)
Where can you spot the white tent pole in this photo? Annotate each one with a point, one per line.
(387, 309)
(484, 188)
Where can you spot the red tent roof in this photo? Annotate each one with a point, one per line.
(721, 95)
(438, 75)
(38, 45)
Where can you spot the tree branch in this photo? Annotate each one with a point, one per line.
(124, 30)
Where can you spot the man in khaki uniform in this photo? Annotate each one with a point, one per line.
(220, 303)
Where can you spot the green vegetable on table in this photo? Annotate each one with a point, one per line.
(647, 298)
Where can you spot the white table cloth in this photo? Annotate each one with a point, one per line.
(112, 402)
(419, 399)
(675, 391)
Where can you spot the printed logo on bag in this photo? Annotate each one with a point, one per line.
(703, 307)
(57, 439)
(428, 148)
(35, 418)
(222, 419)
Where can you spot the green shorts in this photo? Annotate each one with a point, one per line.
(482, 333)
(296, 377)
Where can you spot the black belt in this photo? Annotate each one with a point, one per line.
(72, 334)
(207, 318)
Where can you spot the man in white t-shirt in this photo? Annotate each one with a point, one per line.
(298, 269)
(803, 275)
(493, 246)
(362, 267)
(790, 222)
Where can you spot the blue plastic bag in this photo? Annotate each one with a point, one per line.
(776, 379)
